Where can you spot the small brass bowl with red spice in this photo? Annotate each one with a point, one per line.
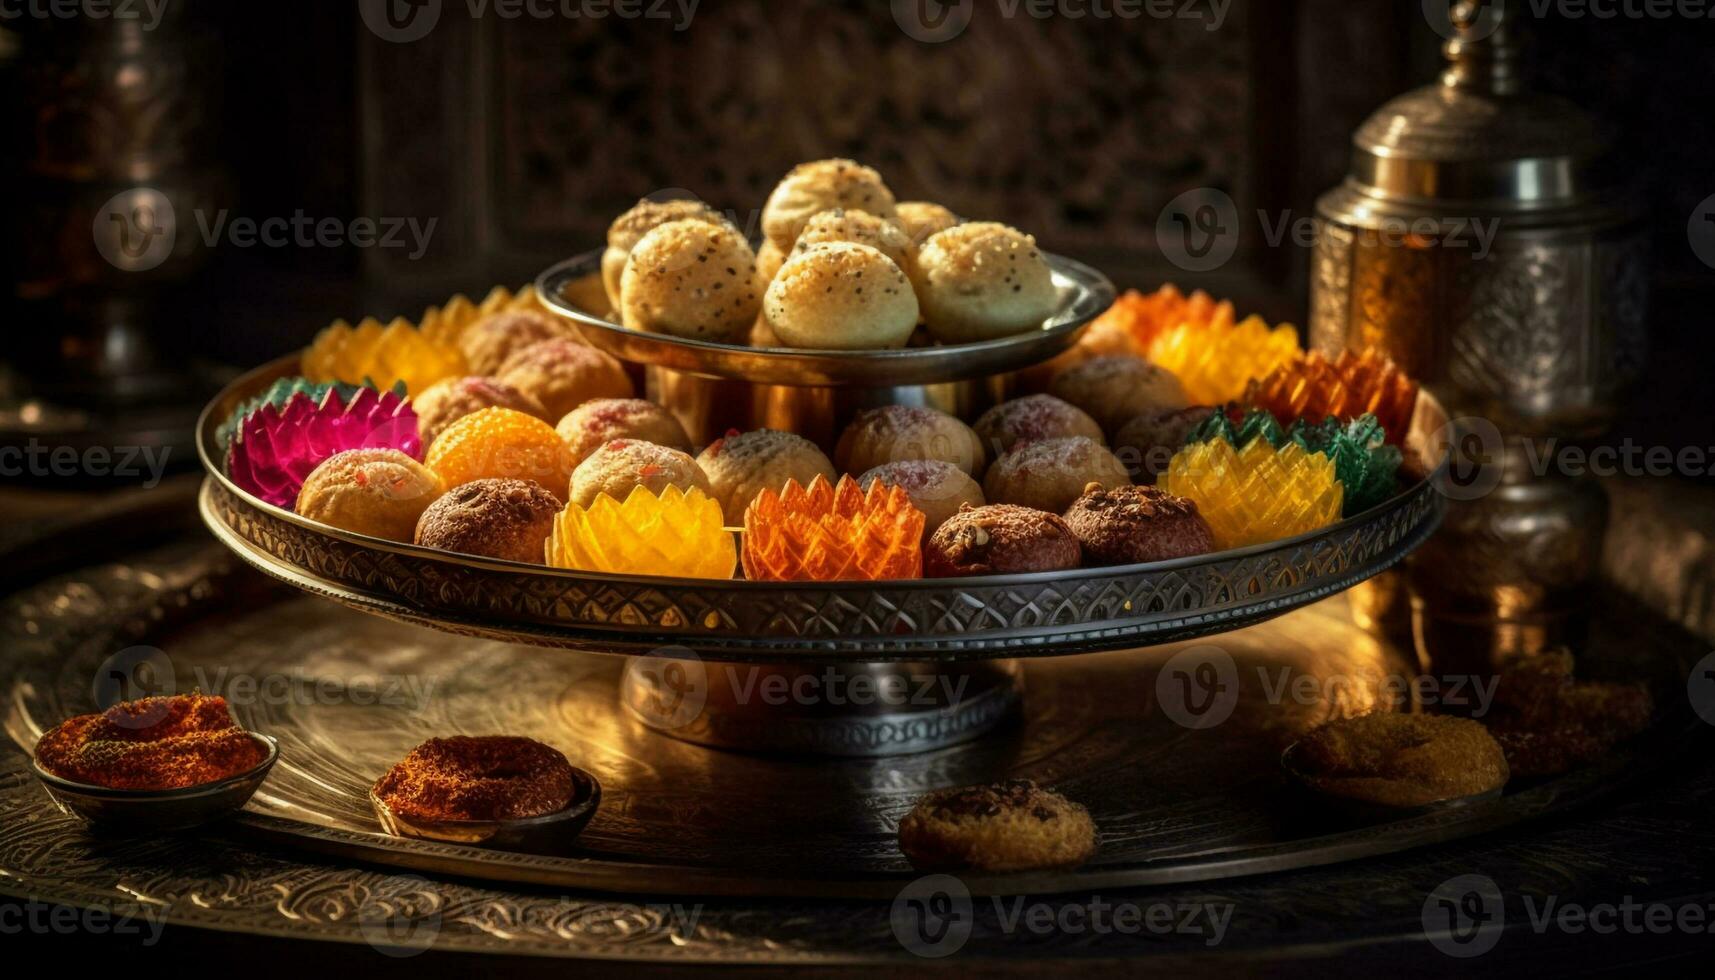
(498, 791)
(153, 765)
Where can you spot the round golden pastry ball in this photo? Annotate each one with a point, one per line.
(742, 465)
(769, 258)
(378, 492)
(602, 420)
(499, 443)
(1032, 419)
(493, 518)
(629, 228)
(937, 488)
(1050, 474)
(563, 374)
(982, 281)
(899, 432)
(1118, 388)
(841, 296)
(622, 465)
(691, 279)
(818, 186)
(487, 343)
(843, 225)
(446, 401)
(922, 219)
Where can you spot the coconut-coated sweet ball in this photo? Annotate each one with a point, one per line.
(841, 296)
(1118, 388)
(563, 374)
(936, 488)
(691, 279)
(742, 465)
(623, 465)
(1032, 419)
(493, 518)
(921, 219)
(982, 281)
(487, 343)
(893, 433)
(817, 186)
(378, 492)
(450, 399)
(600, 421)
(1050, 474)
(843, 225)
(629, 228)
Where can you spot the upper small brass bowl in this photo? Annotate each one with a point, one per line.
(151, 811)
(547, 832)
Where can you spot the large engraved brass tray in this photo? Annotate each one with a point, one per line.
(346, 694)
(982, 618)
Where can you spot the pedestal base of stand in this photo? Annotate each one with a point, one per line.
(861, 710)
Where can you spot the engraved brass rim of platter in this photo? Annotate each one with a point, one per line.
(976, 618)
(1083, 294)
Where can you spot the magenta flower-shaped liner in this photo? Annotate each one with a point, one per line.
(276, 448)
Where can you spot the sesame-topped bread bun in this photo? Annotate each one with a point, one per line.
(841, 296)
(563, 374)
(900, 432)
(629, 228)
(602, 420)
(496, 518)
(982, 281)
(691, 279)
(622, 465)
(742, 465)
(1127, 525)
(1000, 539)
(1050, 474)
(1032, 419)
(921, 219)
(487, 343)
(450, 399)
(1119, 388)
(814, 187)
(843, 225)
(936, 488)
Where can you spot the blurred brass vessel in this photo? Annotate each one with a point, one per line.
(1480, 241)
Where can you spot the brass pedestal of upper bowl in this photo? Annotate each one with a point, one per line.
(1480, 242)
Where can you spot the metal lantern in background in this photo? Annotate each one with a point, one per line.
(1479, 241)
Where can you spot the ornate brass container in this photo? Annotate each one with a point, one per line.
(1480, 240)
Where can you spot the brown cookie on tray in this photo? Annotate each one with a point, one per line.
(1127, 525)
(1012, 825)
(1000, 539)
